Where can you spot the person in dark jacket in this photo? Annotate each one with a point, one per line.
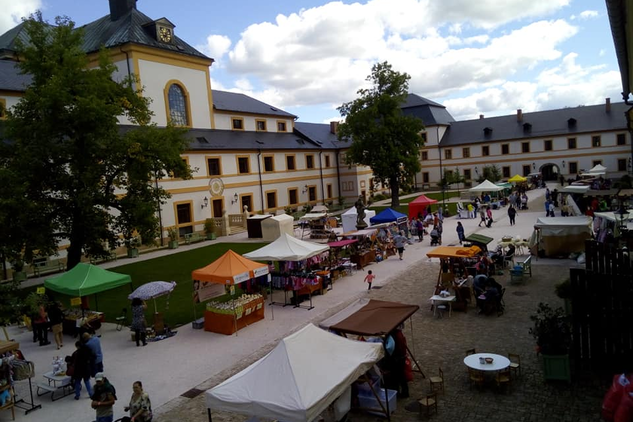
(512, 213)
(56, 318)
(81, 361)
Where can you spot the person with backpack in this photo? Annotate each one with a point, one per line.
(80, 364)
(103, 398)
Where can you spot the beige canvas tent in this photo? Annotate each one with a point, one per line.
(273, 227)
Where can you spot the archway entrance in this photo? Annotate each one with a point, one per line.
(550, 172)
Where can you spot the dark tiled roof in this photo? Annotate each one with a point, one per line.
(542, 124)
(430, 112)
(8, 40)
(232, 101)
(321, 134)
(129, 29)
(10, 77)
(213, 139)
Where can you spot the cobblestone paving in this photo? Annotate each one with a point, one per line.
(442, 343)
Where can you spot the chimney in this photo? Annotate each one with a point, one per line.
(481, 116)
(333, 127)
(119, 8)
(607, 106)
(519, 115)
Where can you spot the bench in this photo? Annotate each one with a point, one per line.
(517, 274)
(48, 266)
(192, 238)
(111, 257)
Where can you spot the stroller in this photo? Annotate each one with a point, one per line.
(435, 237)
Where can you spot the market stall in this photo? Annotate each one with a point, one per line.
(337, 263)
(349, 218)
(298, 379)
(273, 227)
(418, 205)
(80, 282)
(254, 225)
(557, 236)
(363, 253)
(212, 281)
(389, 215)
(152, 290)
(296, 258)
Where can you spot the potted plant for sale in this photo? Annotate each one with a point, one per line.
(132, 245)
(552, 332)
(172, 232)
(209, 228)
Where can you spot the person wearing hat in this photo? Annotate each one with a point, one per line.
(103, 398)
(94, 344)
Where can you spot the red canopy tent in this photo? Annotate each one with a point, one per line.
(419, 204)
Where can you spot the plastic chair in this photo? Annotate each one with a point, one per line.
(121, 320)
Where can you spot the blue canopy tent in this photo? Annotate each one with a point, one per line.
(388, 215)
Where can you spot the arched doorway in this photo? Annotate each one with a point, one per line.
(550, 172)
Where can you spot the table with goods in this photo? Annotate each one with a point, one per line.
(233, 315)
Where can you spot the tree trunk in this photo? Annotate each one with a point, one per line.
(394, 185)
(73, 256)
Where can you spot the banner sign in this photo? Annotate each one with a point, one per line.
(260, 271)
(204, 291)
(75, 301)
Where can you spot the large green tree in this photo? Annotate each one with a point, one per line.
(383, 138)
(65, 159)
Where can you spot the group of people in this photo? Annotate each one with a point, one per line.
(48, 315)
(488, 294)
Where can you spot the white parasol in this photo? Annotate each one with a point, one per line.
(152, 290)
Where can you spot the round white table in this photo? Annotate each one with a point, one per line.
(498, 363)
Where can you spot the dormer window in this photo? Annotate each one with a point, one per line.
(571, 123)
(487, 131)
(527, 127)
(161, 29)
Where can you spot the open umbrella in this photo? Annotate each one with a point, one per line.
(152, 290)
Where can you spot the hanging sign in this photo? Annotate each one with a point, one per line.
(239, 278)
(260, 271)
(75, 301)
(41, 290)
(232, 290)
(205, 291)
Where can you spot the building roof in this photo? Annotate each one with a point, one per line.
(132, 27)
(10, 77)
(430, 112)
(566, 121)
(233, 101)
(321, 134)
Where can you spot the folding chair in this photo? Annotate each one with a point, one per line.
(121, 320)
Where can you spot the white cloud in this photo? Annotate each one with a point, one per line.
(587, 14)
(13, 12)
(216, 46)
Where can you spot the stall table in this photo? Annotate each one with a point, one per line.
(70, 321)
(8, 346)
(364, 258)
(226, 323)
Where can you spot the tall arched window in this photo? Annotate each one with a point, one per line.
(177, 106)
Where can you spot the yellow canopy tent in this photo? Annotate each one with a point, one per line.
(517, 179)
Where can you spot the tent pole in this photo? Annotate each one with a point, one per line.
(234, 315)
(96, 303)
(209, 414)
(270, 289)
(412, 339)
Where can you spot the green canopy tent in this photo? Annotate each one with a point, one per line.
(86, 279)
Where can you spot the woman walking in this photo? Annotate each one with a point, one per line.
(140, 406)
(138, 320)
(512, 213)
(460, 232)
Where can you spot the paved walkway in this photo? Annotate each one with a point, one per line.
(197, 359)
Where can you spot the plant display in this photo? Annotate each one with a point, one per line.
(234, 306)
(172, 232)
(551, 330)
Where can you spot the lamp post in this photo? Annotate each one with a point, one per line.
(622, 217)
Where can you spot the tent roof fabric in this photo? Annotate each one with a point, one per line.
(575, 189)
(563, 226)
(386, 215)
(597, 168)
(453, 252)
(517, 178)
(376, 318)
(479, 238)
(424, 200)
(287, 248)
(419, 204)
(86, 279)
(314, 216)
(342, 243)
(486, 186)
(230, 268)
(298, 379)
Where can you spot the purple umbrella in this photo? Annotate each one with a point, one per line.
(152, 290)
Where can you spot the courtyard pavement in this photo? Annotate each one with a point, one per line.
(195, 359)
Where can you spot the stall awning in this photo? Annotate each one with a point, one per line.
(230, 268)
(453, 252)
(341, 243)
(314, 216)
(486, 186)
(479, 238)
(376, 318)
(86, 279)
(287, 248)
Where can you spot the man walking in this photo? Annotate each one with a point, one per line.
(94, 344)
(398, 241)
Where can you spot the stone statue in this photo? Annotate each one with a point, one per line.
(360, 211)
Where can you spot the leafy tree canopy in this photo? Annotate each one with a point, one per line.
(382, 137)
(66, 165)
(491, 173)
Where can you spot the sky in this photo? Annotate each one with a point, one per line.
(308, 57)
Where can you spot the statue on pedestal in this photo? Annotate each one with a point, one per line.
(360, 213)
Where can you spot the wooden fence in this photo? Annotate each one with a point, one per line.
(602, 309)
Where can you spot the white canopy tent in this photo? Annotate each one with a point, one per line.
(563, 235)
(597, 169)
(314, 215)
(298, 379)
(486, 186)
(273, 227)
(575, 189)
(348, 218)
(287, 248)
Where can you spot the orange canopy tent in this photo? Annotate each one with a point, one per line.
(454, 252)
(419, 204)
(230, 268)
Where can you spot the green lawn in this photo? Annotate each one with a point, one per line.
(176, 267)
